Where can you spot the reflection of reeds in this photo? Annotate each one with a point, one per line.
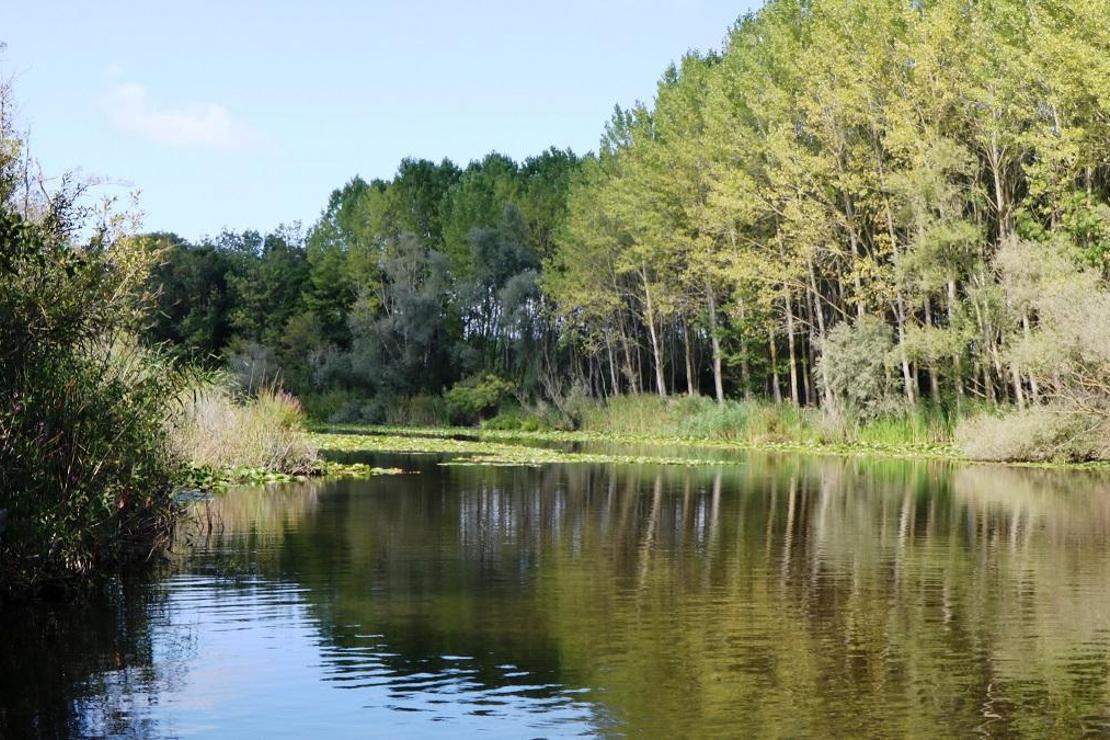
(1058, 500)
(263, 512)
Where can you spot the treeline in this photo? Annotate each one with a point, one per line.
(402, 289)
(855, 205)
(846, 181)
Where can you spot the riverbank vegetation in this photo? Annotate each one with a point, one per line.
(457, 446)
(97, 428)
(217, 431)
(86, 473)
(882, 212)
(855, 223)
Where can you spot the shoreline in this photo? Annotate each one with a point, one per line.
(940, 453)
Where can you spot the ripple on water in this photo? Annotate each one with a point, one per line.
(784, 597)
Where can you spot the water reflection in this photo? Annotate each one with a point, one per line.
(786, 596)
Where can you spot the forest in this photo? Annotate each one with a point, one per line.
(862, 208)
(862, 226)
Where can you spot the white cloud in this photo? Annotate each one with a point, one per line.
(198, 125)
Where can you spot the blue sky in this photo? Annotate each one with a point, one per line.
(246, 114)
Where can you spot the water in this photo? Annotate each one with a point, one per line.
(779, 597)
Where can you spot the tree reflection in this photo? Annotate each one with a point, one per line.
(786, 596)
(79, 671)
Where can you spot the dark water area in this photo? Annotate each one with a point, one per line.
(784, 596)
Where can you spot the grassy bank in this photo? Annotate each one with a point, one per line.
(223, 437)
(1046, 435)
(764, 423)
(694, 422)
(472, 445)
(419, 440)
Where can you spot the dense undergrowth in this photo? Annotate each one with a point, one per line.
(1041, 435)
(219, 429)
(86, 479)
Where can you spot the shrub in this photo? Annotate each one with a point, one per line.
(86, 474)
(1054, 433)
(471, 399)
(215, 429)
(325, 405)
(517, 419)
(853, 367)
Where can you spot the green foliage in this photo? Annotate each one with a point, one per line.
(218, 430)
(472, 399)
(86, 478)
(825, 211)
(516, 419)
(474, 202)
(854, 367)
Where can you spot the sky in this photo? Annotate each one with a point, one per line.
(245, 115)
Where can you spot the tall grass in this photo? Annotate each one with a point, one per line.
(85, 482)
(761, 422)
(216, 428)
(85, 466)
(1052, 433)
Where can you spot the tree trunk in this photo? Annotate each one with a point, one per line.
(630, 371)
(1019, 393)
(745, 371)
(934, 383)
(776, 391)
(691, 381)
(656, 349)
(849, 211)
(613, 380)
(794, 397)
(807, 366)
(957, 369)
(819, 315)
(1034, 387)
(715, 343)
(908, 380)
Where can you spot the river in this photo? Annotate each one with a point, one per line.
(778, 596)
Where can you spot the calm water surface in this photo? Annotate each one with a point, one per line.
(778, 597)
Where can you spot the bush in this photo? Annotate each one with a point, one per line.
(323, 406)
(853, 367)
(1054, 433)
(517, 419)
(86, 473)
(217, 430)
(470, 400)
